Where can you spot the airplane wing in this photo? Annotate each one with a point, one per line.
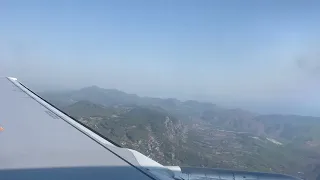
(38, 141)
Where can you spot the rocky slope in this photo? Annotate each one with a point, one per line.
(192, 133)
(149, 130)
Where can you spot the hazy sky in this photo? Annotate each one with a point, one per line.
(259, 55)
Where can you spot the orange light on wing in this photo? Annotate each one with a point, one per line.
(1, 128)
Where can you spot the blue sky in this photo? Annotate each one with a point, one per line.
(258, 55)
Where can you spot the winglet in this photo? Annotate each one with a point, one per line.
(12, 78)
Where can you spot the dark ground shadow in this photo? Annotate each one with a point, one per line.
(129, 173)
(74, 173)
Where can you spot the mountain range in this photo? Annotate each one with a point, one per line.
(193, 133)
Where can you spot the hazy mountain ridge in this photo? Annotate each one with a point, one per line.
(198, 134)
(274, 125)
(110, 97)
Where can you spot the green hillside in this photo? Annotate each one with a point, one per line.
(192, 133)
